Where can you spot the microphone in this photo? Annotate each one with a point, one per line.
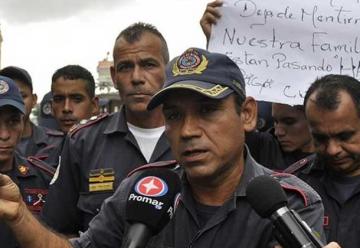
(269, 200)
(150, 205)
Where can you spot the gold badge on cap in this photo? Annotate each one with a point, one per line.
(4, 87)
(190, 62)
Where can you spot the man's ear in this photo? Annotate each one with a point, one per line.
(96, 106)
(34, 100)
(249, 114)
(112, 72)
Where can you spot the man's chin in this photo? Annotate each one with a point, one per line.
(137, 107)
(348, 169)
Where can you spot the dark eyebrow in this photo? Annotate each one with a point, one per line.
(345, 133)
(76, 94)
(15, 115)
(149, 59)
(168, 106)
(123, 62)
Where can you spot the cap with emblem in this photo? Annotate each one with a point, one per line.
(46, 118)
(10, 95)
(17, 73)
(213, 75)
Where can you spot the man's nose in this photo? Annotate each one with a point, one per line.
(67, 105)
(4, 132)
(190, 127)
(279, 130)
(138, 75)
(333, 147)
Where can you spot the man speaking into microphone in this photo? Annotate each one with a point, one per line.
(206, 114)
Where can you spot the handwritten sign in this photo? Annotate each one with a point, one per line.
(282, 46)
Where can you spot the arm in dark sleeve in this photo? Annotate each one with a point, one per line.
(309, 206)
(60, 211)
(106, 228)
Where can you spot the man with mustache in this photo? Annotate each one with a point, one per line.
(73, 96)
(207, 113)
(98, 155)
(290, 140)
(332, 108)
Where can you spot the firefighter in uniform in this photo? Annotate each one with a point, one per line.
(38, 141)
(98, 154)
(30, 174)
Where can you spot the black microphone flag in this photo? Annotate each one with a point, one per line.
(269, 200)
(150, 205)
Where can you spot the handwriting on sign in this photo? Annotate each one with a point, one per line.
(282, 48)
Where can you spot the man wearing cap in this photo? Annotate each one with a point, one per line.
(46, 117)
(206, 115)
(31, 175)
(36, 141)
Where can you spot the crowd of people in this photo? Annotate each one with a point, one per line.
(190, 115)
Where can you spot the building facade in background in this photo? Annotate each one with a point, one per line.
(109, 97)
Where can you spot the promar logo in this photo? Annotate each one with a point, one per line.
(151, 186)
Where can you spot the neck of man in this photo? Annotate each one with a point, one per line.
(217, 192)
(27, 132)
(6, 166)
(148, 119)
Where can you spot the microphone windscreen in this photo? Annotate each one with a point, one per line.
(265, 195)
(153, 198)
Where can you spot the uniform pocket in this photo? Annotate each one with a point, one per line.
(89, 204)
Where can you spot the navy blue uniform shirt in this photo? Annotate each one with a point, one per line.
(235, 224)
(96, 157)
(46, 144)
(32, 177)
(341, 218)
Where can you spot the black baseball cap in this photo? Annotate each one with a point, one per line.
(10, 94)
(17, 73)
(213, 75)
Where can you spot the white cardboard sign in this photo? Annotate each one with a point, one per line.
(282, 46)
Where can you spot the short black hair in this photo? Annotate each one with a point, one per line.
(17, 73)
(328, 88)
(74, 72)
(134, 32)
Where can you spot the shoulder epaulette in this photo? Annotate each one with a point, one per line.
(288, 187)
(86, 123)
(38, 163)
(161, 164)
(53, 132)
(300, 165)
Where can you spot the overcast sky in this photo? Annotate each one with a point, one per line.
(44, 35)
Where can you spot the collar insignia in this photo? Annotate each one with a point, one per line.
(23, 169)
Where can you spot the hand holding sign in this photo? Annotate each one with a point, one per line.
(281, 49)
